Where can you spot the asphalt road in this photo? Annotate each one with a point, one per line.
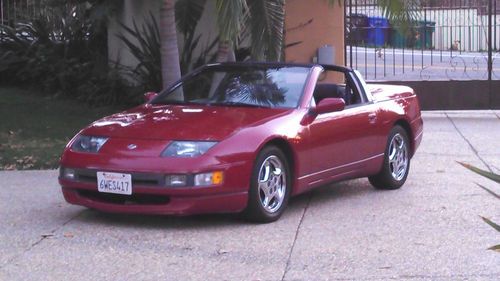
(414, 65)
(428, 230)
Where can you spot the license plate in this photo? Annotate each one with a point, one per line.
(114, 183)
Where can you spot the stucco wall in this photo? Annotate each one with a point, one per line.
(326, 28)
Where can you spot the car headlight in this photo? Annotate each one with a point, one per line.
(187, 149)
(88, 144)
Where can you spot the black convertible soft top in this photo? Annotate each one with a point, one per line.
(277, 65)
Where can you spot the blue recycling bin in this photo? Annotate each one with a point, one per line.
(378, 32)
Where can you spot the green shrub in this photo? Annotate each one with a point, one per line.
(147, 50)
(64, 55)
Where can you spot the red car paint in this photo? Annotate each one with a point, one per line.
(321, 148)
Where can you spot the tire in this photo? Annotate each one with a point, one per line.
(270, 186)
(396, 161)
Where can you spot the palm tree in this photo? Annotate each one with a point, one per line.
(262, 19)
(266, 22)
(170, 65)
(229, 21)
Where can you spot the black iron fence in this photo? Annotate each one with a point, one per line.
(450, 40)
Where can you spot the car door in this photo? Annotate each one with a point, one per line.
(337, 143)
(342, 142)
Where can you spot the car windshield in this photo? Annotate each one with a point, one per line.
(276, 87)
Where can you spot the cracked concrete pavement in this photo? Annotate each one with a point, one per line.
(428, 230)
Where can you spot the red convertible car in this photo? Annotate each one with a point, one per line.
(243, 137)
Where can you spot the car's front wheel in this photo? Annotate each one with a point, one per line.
(396, 161)
(270, 186)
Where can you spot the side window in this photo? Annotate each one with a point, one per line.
(353, 96)
(334, 84)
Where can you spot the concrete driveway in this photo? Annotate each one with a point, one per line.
(428, 230)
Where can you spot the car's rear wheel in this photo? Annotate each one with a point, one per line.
(396, 161)
(270, 186)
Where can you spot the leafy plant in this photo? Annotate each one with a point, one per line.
(187, 15)
(63, 53)
(496, 178)
(144, 44)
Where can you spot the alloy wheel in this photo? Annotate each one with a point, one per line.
(272, 184)
(398, 157)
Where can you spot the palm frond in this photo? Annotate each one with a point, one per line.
(495, 178)
(495, 248)
(489, 175)
(266, 20)
(400, 11)
(491, 223)
(489, 191)
(230, 14)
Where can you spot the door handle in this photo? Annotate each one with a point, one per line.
(372, 117)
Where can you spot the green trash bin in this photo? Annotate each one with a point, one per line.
(423, 33)
(398, 39)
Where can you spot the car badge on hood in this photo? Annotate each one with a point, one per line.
(132, 146)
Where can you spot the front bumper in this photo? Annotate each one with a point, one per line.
(148, 202)
(149, 193)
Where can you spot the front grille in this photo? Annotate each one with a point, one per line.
(137, 178)
(134, 199)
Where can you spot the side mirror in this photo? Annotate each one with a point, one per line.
(149, 96)
(330, 105)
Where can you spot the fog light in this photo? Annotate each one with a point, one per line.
(176, 180)
(69, 174)
(214, 178)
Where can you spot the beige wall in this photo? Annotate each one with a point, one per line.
(326, 28)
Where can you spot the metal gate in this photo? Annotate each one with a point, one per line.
(449, 54)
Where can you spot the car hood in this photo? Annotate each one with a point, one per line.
(173, 122)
